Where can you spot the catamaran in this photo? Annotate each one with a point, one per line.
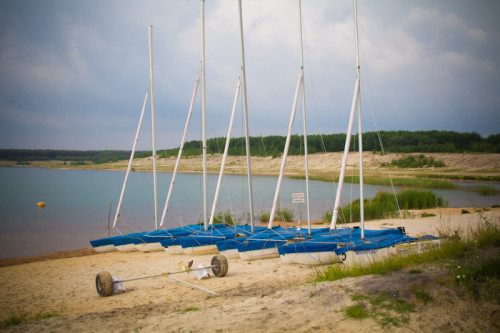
(352, 245)
(148, 240)
(265, 244)
(125, 243)
(204, 241)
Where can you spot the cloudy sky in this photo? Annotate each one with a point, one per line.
(73, 74)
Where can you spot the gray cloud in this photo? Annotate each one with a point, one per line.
(73, 74)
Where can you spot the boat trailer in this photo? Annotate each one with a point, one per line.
(104, 282)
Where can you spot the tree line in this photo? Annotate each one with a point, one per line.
(91, 156)
(393, 141)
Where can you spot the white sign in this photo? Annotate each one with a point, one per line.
(297, 197)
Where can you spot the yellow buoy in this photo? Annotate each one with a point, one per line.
(41, 204)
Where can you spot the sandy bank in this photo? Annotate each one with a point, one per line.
(263, 295)
(320, 164)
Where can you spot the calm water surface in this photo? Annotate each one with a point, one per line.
(77, 203)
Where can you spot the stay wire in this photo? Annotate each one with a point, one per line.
(372, 114)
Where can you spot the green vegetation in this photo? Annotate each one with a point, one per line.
(18, 317)
(78, 163)
(475, 263)
(14, 318)
(75, 156)
(484, 190)
(284, 215)
(394, 141)
(224, 217)
(460, 177)
(384, 204)
(416, 162)
(403, 182)
(357, 311)
(190, 309)
(427, 215)
(383, 309)
(264, 216)
(421, 294)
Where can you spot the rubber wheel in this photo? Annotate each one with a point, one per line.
(219, 265)
(104, 284)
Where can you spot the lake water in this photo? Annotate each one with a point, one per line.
(77, 203)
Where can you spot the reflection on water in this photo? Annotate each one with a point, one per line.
(77, 203)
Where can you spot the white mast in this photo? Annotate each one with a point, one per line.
(344, 159)
(285, 154)
(355, 100)
(247, 139)
(130, 161)
(360, 136)
(203, 115)
(224, 156)
(153, 135)
(179, 155)
(304, 119)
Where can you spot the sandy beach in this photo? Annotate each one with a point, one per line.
(256, 296)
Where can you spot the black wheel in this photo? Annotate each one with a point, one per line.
(219, 265)
(104, 284)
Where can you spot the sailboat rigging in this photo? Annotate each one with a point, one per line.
(351, 245)
(126, 242)
(265, 244)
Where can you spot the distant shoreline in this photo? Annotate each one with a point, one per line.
(465, 165)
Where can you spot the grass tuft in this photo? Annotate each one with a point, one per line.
(421, 294)
(14, 318)
(17, 317)
(284, 214)
(190, 309)
(414, 271)
(357, 311)
(380, 307)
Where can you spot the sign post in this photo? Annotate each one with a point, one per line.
(298, 198)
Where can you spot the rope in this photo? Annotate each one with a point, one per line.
(372, 113)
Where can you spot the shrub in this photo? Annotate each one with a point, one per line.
(417, 162)
(264, 216)
(280, 215)
(285, 215)
(224, 217)
(384, 204)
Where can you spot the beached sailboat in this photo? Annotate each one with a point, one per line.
(352, 245)
(131, 241)
(265, 244)
(159, 240)
(204, 241)
(321, 250)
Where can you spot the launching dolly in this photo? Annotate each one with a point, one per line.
(104, 282)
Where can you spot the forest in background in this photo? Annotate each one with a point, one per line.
(393, 142)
